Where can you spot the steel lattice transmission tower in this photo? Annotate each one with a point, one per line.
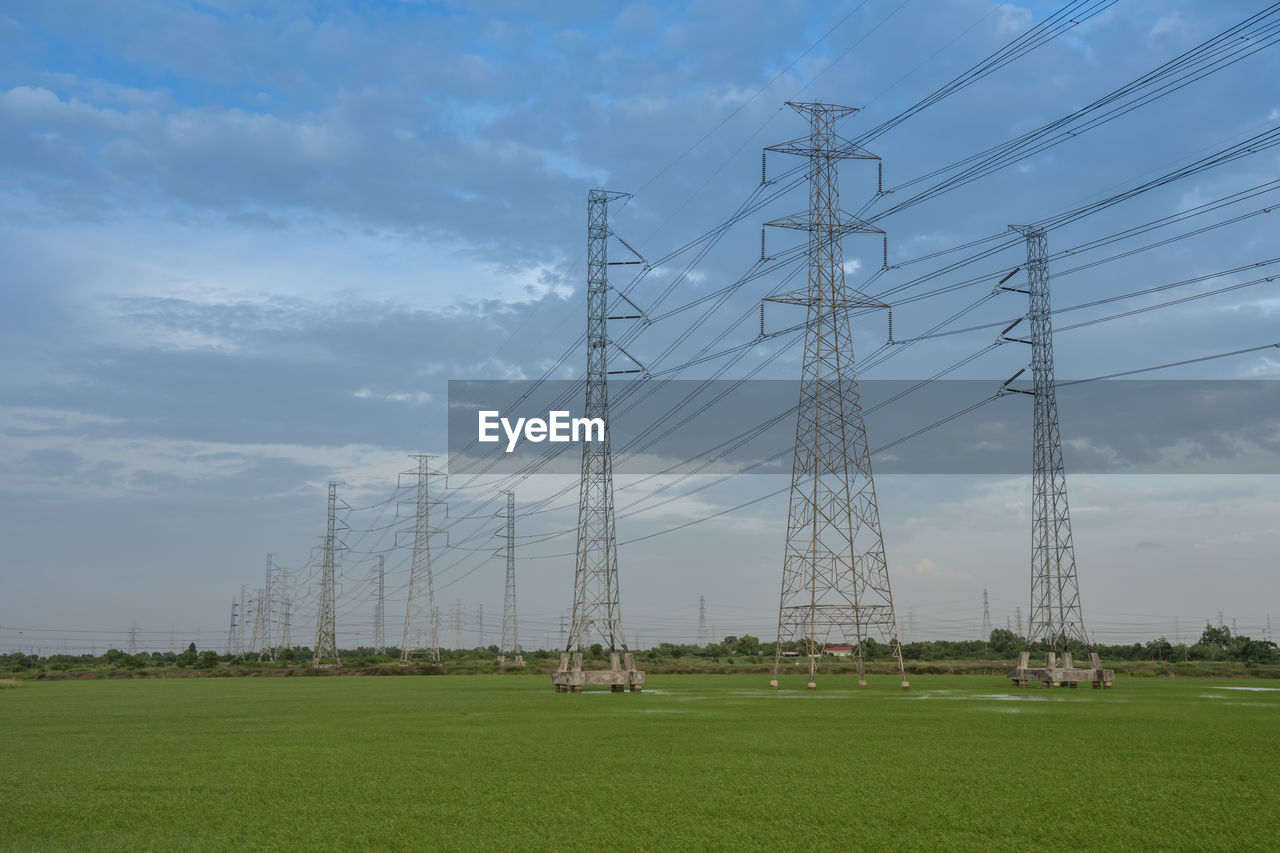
(231, 632)
(267, 608)
(420, 629)
(704, 638)
(256, 643)
(510, 626)
(597, 612)
(285, 638)
(835, 578)
(1055, 616)
(326, 647)
(244, 618)
(380, 609)
(986, 615)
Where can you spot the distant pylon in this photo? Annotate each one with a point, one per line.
(1018, 611)
(231, 632)
(480, 626)
(1055, 617)
(510, 625)
(379, 609)
(704, 638)
(256, 643)
(986, 615)
(597, 609)
(244, 617)
(420, 629)
(326, 647)
(268, 612)
(457, 624)
(285, 638)
(835, 577)
(133, 638)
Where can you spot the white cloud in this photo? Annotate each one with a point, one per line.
(927, 568)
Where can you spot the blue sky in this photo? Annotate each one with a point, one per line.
(247, 245)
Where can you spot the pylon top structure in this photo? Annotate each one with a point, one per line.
(1056, 618)
(835, 577)
(597, 612)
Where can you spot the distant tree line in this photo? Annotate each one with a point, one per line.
(1216, 643)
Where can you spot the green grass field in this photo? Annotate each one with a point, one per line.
(694, 763)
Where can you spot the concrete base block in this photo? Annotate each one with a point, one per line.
(621, 675)
(1052, 675)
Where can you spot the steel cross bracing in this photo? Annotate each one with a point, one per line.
(326, 647)
(596, 609)
(835, 578)
(1055, 617)
(421, 631)
(510, 633)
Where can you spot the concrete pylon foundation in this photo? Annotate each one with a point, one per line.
(621, 675)
(1065, 675)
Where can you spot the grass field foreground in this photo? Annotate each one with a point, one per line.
(693, 763)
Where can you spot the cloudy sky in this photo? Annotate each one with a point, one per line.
(247, 245)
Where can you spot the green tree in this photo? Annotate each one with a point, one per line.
(1005, 642)
(208, 659)
(1219, 636)
(187, 658)
(596, 651)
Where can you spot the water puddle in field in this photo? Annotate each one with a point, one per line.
(991, 697)
(1250, 689)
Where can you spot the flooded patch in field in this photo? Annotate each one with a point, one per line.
(1250, 689)
(990, 697)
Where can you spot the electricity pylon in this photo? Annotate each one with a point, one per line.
(231, 632)
(703, 637)
(510, 626)
(986, 615)
(326, 647)
(420, 629)
(244, 617)
(379, 610)
(268, 613)
(1055, 616)
(597, 611)
(256, 641)
(285, 638)
(457, 625)
(835, 578)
